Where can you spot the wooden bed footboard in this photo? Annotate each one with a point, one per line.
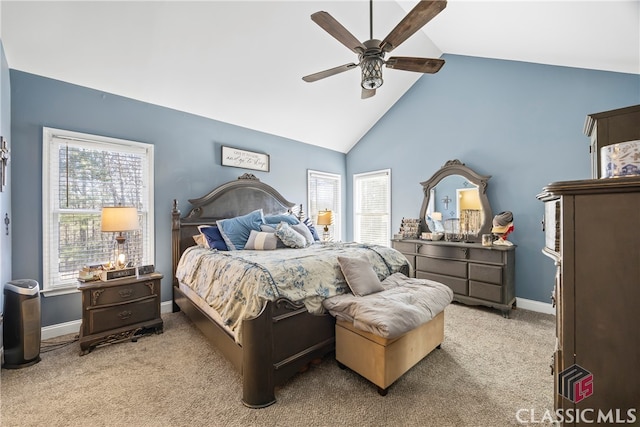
(284, 337)
(279, 343)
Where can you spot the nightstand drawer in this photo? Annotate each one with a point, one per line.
(122, 293)
(118, 316)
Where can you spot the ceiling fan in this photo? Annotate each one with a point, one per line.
(371, 52)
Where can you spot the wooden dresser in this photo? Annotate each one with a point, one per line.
(610, 127)
(478, 275)
(592, 233)
(119, 309)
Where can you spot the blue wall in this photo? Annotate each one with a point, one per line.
(187, 164)
(521, 123)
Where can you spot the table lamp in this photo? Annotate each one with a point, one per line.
(119, 219)
(325, 218)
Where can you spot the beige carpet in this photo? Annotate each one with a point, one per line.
(488, 368)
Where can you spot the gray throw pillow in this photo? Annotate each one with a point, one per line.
(360, 276)
(261, 241)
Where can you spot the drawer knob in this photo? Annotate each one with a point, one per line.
(124, 315)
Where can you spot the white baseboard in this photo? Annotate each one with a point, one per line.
(540, 307)
(73, 327)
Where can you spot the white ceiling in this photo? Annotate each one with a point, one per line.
(242, 62)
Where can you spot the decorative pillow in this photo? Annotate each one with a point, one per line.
(212, 237)
(290, 237)
(304, 230)
(312, 229)
(262, 241)
(278, 218)
(272, 229)
(236, 231)
(200, 240)
(360, 276)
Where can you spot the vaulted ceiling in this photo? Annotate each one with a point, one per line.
(242, 62)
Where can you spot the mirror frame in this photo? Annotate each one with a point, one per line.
(456, 167)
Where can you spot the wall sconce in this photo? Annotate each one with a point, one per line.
(119, 219)
(325, 218)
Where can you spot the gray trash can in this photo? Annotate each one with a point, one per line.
(22, 318)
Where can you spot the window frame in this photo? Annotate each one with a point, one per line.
(313, 208)
(356, 205)
(51, 138)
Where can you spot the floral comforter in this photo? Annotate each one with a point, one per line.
(237, 284)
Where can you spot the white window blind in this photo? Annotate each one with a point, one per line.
(324, 193)
(372, 207)
(81, 174)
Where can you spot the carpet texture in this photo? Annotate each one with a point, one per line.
(488, 368)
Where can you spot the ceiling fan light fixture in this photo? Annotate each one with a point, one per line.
(371, 72)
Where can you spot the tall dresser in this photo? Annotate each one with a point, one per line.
(592, 232)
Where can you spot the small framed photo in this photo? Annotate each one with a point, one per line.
(238, 158)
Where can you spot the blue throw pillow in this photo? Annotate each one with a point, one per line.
(278, 218)
(213, 237)
(236, 231)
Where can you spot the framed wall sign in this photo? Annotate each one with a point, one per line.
(244, 159)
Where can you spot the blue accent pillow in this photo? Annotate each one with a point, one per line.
(276, 219)
(236, 231)
(289, 236)
(213, 237)
(312, 229)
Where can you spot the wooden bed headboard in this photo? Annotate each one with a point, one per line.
(234, 198)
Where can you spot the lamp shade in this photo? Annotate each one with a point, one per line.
(119, 218)
(325, 218)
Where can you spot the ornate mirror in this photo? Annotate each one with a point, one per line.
(455, 203)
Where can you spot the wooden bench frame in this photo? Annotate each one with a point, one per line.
(380, 360)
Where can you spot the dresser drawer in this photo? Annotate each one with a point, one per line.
(485, 255)
(451, 252)
(404, 247)
(441, 266)
(122, 293)
(485, 273)
(485, 291)
(458, 286)
(114, 317)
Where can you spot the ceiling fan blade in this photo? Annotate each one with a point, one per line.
(340, 33)
(422, 13)
(326, 73)
(419, 65)
(367, 93)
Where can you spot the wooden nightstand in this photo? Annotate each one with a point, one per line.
(119, 309)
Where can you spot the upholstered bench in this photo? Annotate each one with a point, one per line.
(381, 360)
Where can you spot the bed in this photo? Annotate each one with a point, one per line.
(275, 336)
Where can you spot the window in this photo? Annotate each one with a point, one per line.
(372, 207)
(81, 174)
(323, 190)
